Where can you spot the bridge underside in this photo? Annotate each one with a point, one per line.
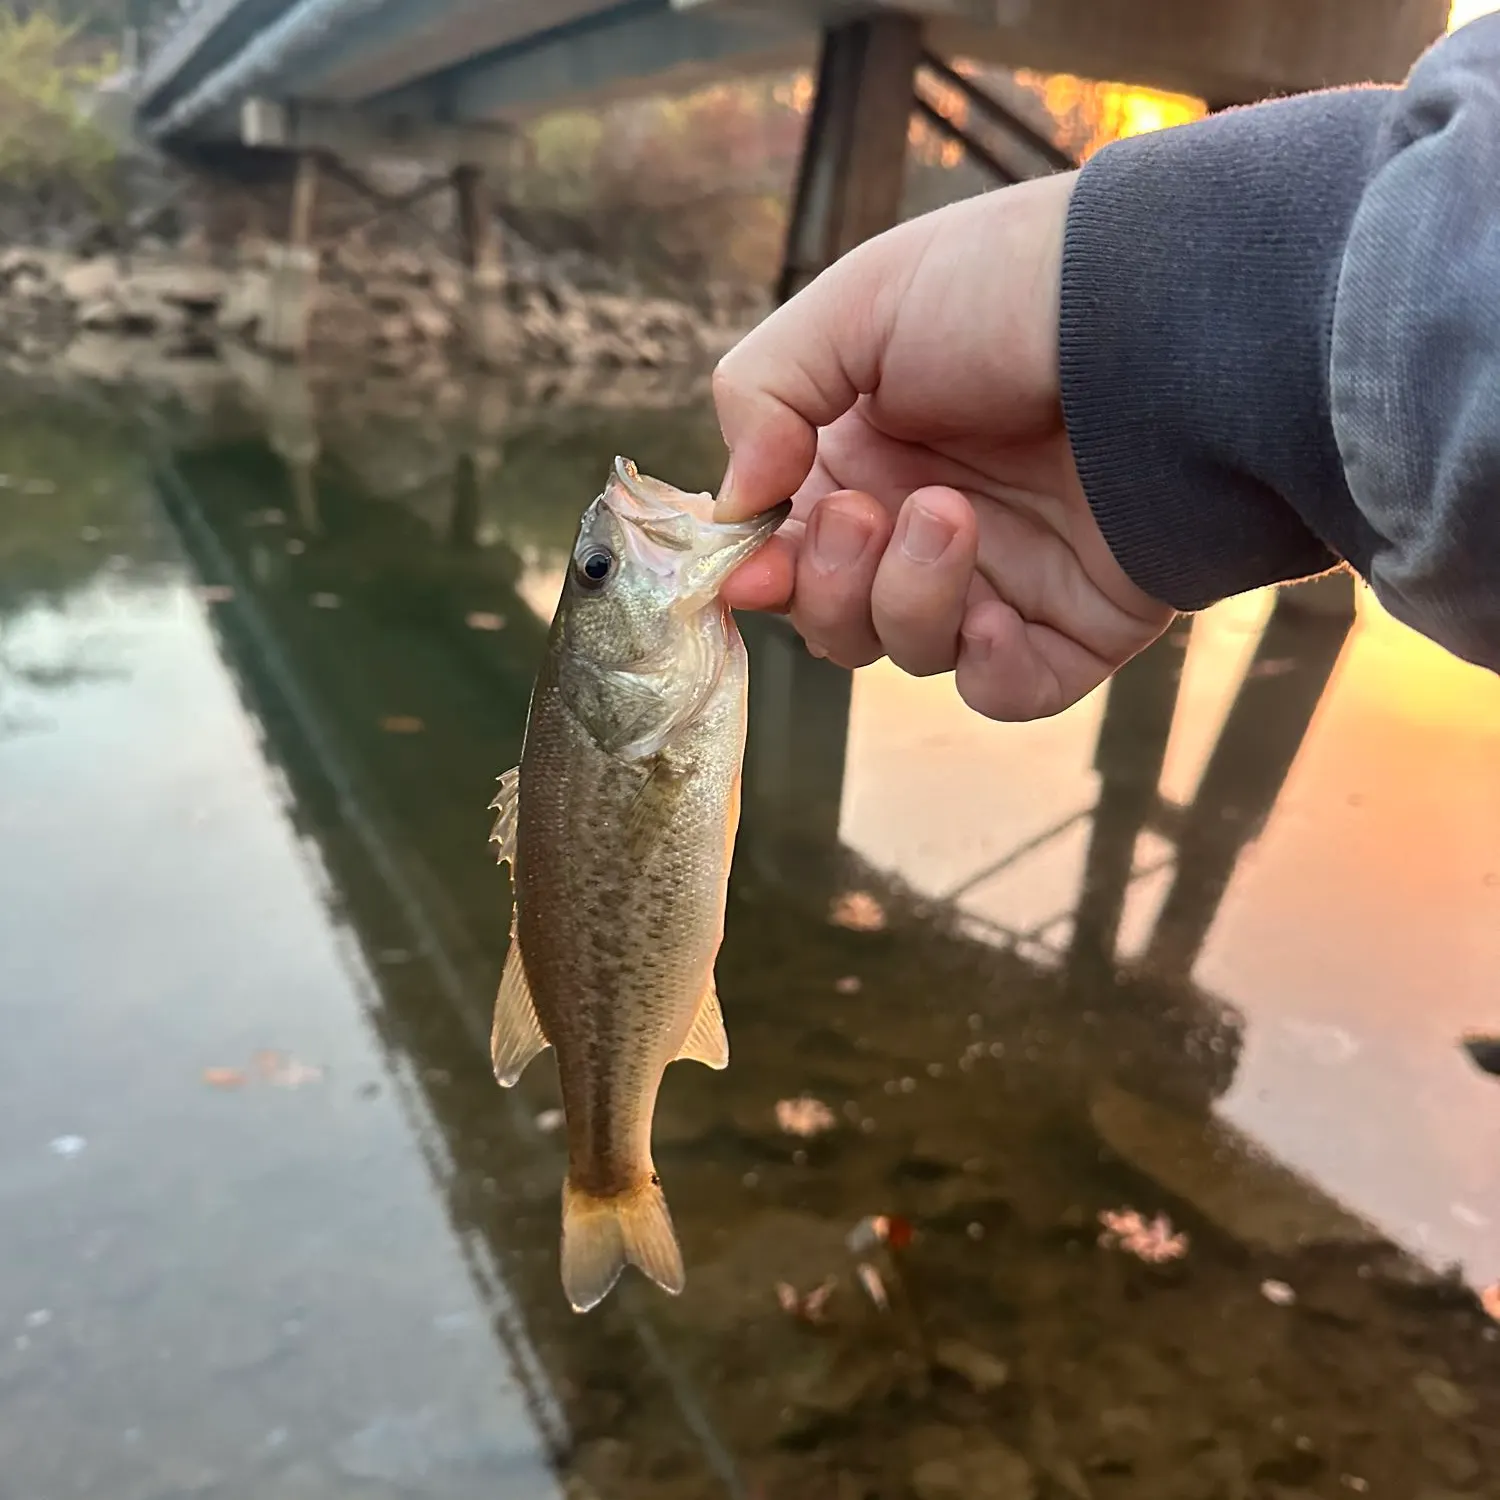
(487, 61)
(447, 80)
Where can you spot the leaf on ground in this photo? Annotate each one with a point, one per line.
(859, 911)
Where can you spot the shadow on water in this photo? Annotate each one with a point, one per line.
(897, 1285)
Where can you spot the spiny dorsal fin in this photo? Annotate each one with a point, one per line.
(707, 1041)
(505, 805)
(517, 1036)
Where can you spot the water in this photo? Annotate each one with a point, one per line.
(1204, 947)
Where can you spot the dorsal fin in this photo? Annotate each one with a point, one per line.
(506, 807)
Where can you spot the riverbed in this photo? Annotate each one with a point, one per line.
(1098, 1123)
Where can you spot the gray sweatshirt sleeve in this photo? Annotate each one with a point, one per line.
(1280, 345)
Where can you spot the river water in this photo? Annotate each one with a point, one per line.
(1206, 947)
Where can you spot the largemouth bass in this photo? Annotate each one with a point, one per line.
(619, 825)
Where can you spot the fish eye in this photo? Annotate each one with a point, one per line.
(596, 567)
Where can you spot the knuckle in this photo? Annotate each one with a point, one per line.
(980, 696)
(921, 659)
(821, 614)
(724, 382)
(851, 658)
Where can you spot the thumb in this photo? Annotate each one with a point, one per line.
(805, 366)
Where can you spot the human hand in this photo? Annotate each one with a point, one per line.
(908, 401)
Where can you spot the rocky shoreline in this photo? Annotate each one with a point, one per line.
(394, 312)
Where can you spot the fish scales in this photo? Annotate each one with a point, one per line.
(620, 945)
(619, 826)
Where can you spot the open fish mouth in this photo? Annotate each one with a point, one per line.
(674, 530)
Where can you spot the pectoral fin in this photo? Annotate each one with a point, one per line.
(707, 1041)
(506, 804)
(517, 1036)
(651, 809)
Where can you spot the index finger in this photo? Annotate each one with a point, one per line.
(804, 367)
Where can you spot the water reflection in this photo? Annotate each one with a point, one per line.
(994, 953)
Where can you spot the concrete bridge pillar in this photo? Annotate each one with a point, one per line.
(487, 327)
(292, 279)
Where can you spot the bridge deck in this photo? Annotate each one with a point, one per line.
(466, 61)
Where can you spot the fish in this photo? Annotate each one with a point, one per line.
(619, 826)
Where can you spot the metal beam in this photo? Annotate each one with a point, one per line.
(637, 45)
(1231, 49)
(413, 39)
(205, 38)
(354, 134)
(976, 153)
(266, 63)
(853, 163)
(997, 114)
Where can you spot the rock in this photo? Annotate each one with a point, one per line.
(1452, 1455)
(91, 280)
(392, 331)
(1442, 1398)
(984, 1470)
(407, 265)
(102, 315)
(194, 289)
(1124, 1433)
(977, 1366)
(448, 288)
(19, 259)
(30, 282)
(100, 357)
(600, 1465)
(386, 297)
(430, 322)
(832, 1381)
(244, 305)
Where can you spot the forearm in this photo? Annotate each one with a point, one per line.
(1280, 346)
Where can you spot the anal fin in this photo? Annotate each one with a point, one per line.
(507, 801)
(707, 1041)
(517, 1035)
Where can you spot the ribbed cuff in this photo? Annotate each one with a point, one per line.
(1199, 271)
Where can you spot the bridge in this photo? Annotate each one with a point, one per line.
(449, 81)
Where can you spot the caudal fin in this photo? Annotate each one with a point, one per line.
(601, 1236)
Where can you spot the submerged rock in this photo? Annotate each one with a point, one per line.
(979, 1467)
(977, 1366)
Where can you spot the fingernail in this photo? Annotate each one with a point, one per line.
(815, 650)
(724, 505)
(840, 539)
(926, 536)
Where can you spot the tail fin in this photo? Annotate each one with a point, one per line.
(601, 1236)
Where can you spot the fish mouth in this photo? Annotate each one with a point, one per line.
(721, 546)
(678, 530)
